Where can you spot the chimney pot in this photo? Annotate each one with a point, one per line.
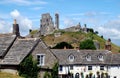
(15, 21)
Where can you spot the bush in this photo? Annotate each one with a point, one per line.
(47, 75)
(87, 44)
(28, 68)
(54, 73)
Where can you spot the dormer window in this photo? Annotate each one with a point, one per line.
(71, 57)
(100, 57)
(88, 57)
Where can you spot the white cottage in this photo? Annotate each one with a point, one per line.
(88, 63)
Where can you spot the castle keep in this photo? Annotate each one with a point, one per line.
(47, 25)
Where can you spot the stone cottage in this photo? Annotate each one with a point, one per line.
(14, 49)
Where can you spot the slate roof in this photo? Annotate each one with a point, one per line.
(80, 57)
(115, 58)
(6, 40)
(19, 50)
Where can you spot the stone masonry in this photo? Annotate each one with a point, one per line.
(47, 24)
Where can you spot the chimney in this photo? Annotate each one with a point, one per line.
(108, 44)
(16, 28)
(65, 48)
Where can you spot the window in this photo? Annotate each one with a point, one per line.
(100, 57)
(88, 57)
(71, 67)
(60, 68)
(41, 59)
(71, 58)
(101, 67)
(89, 67)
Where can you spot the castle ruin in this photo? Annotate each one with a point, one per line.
(47, 25)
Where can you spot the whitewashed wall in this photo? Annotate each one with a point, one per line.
(114, 71)
(82, 68)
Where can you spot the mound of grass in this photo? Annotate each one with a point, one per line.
(74, 38)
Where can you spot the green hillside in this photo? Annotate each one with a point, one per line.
(74, 38)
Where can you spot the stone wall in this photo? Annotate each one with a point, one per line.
(47, 25)
(50, 59)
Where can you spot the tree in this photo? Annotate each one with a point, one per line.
(87, 44)
(28, 68)
(54, 73)
(91, 30)
(61, 45)
(96, 32)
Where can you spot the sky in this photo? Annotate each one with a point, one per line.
(101, 15)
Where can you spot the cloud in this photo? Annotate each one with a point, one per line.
(24, 23)
(37, 8)
(68, 22)
(23, 2)
(5, 27)
(15, 13)
(110, 30)
(112, 33)
(109, 33)
(89, 14)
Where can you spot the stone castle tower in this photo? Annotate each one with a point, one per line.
(57, 21)
(47, 24)
(16, 28)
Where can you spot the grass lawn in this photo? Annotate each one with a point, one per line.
(8, 75)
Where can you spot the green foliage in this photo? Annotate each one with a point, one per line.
(54, 73)
(33, 32)
(28, 68)
(47, 75)
(61, 45)
(62, 31)
(91, 30)
(87, 44)
(96, 32)
(90, 35)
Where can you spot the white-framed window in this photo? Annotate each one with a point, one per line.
(88, 57)
(71, 57)
(100, 57)
(41, 59)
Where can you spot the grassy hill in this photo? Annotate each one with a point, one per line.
(74, 38)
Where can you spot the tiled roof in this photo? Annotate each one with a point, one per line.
(115, 58)
(5, 43)
(20, 49)
(80, 56)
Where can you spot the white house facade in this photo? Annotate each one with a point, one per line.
(88, 63)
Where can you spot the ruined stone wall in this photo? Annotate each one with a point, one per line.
(47, 25)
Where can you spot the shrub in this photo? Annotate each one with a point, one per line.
(87, 44)
(28, 68)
